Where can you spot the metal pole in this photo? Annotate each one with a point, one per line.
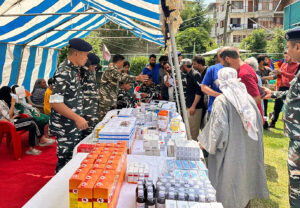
(61, 13)
(175, 85)
(226, 23)
(182, 100)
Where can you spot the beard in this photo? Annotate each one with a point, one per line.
(226, 64)
(152, 65)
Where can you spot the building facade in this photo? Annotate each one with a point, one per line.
(244, 16)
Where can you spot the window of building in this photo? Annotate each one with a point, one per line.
(281, 20)
(235, 22)
(237, 5)
(222, 24)
(265, 4)
(238, 38)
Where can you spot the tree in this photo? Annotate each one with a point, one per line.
(95, 42)
(137, 64)
(277, 44)
(195, 35)
(194, 15)
(256, 41)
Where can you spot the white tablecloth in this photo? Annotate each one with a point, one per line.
(55, 194)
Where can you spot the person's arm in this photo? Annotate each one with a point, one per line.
(252, 87)
(207, 90)
(271, 77)
(12, 107)
(286, 74)
(61, 83)
(193, 107)
(65, 111)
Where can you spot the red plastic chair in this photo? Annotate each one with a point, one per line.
(9, 130)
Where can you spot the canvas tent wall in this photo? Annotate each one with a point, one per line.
(29, 44)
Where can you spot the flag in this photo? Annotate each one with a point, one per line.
(106, 53)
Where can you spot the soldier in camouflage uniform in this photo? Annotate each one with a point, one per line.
(110, 83)
(291, 117)
(125, 100)
(66, 100)
(151, 90)
(90, 94)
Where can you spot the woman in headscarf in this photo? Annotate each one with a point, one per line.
(24, 107)
(38, 93)
(9, 113)
(233, 137)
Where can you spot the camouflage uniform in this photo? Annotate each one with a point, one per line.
(152, 91)
(66, 89)
(291, 117)
(125, 100)
(90, 102)
(109, 88)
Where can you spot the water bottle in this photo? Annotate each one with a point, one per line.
(161, 200)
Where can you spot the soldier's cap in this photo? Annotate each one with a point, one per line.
(179, 53)
(186, 62)
(93, 58)
(293, 34)
(80, 45)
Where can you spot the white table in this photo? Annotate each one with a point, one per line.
(56, 192)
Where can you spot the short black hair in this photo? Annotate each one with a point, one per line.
(126, 63)
(118, 57)
(163, 58)
(149, 76)
(165, 63)
(199, 60)
(230, 52)
(261, 57)
(152, 56)
(50, 81)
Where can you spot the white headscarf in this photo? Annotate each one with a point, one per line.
(236, 92)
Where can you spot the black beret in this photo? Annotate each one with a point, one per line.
(293, 34)
(94, 59)
(80, 45)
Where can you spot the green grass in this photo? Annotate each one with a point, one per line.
(276, 149)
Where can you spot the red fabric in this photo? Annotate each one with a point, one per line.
(249, 78)
(21, 179)
(288, 73)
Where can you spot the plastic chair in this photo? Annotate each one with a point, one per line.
(9, 130)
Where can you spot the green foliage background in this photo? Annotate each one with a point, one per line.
(137, 64)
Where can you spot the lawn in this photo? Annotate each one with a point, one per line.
(276, 148)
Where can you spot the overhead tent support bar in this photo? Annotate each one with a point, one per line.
(100, 29)
(43, 14)
(112, 38)
(175, 85)
(182, 100)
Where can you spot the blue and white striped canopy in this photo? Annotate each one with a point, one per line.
(29, 45)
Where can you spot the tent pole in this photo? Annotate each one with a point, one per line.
(175, 85)
(182, 100)
(20, 65)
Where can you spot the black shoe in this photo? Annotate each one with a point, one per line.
(266, 125)
(272, 125)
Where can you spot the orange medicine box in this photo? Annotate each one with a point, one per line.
(85, 193)
(99, 166)
(102, 194)
(102, 160)
(88, 161)
(74, 181)
(91, 156)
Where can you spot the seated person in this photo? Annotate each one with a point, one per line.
(125, 100)
(47, 106)
(150, 89)
(38, 93)
(9, 113)
(24, 107)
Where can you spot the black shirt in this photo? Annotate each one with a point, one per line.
(193, 88)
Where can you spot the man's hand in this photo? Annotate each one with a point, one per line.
(81, 123)
(142, 78)
(147, 100)
(167, 84)
(192, 110)
(144, 95)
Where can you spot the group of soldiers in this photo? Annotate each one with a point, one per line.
(77, 104)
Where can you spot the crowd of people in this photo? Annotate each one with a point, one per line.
(226, 105)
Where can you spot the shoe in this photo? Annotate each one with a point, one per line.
(48, 143)
(272, 125)
(33, 152)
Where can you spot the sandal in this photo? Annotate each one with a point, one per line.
(33, 152)
(48, 143)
